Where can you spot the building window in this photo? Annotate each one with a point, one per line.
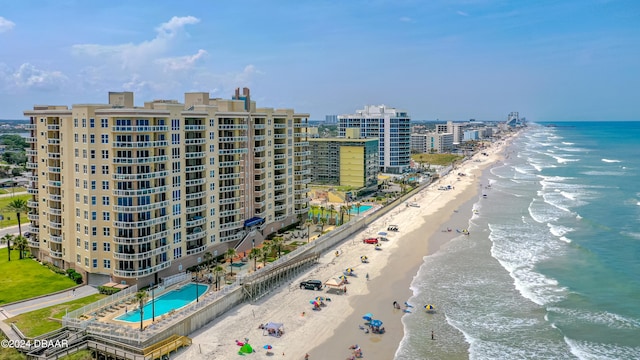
(105, 154)
(106, 263)
(78, 242)
(94, 246)
(105, 169)
(86, 261)
(92, 138)
(105, 200)
(105, 138)
(177, 253)
(78, 259)
(106, 231)
(86, 245)
(104, 123)
(106, 216)
(105, 185)
(93, 184)
(106, 246)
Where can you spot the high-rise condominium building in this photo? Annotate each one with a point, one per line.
(393, 129)
(132, 194)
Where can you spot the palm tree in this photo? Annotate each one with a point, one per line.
(230, 254)
(358, 208)
(18, 206)
(323, 221)
(208, 256)
(141, 297)
(22, 244)
(321, 212)
(255, 255)
(348, 211)
(217, 271)
(343, 210)
(308, 224)
(332, 208)
(277, 242)
(7, 238)
(266, 250)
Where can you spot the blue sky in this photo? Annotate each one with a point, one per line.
(447, 60)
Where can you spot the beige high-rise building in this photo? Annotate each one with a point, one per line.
(133, 194)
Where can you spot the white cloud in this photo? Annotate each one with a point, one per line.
(134, 56)
(29, 77)
(6, 25)
(179, 63)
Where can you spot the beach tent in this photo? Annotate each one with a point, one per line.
(273, 329)
(245, 349)
(334, 283)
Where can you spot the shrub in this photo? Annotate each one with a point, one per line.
(54, 268)
(107, 290)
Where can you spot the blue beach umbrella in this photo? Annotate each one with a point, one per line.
(376, 323)
(368, 316)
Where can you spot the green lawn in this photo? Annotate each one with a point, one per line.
(14, 190)
(436, 159)
(9, 353)
(24, 279)
(10, 218)
(38, 322)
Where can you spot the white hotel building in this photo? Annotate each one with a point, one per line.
(393, 129)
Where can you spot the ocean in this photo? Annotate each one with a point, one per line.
(551, 268)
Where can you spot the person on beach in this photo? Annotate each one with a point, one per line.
(306, 356)
(432, 336)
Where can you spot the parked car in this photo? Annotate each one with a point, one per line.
(392, 228)
(370, 241)
(311, 285)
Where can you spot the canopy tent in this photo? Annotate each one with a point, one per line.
(273, 329)
(335, 283)
(245, 349)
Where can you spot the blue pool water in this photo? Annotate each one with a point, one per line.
(172, 300)
(363, 208)
(238, 264)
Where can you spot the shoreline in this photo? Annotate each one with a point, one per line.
(329, 333)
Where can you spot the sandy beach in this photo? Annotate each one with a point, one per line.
(328, 333)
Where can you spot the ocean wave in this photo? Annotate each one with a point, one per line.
(563, 160)
(518, 254)
(604, 318)
(558, 230)
(565, 239)
(568, 143)
(610, 161)
(589, 350)
(602, 173)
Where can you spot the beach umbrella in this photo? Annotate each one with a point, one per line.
(363, 257)
(342, 277)
(429, 307)
(268, 347)
(376, 323)
(349, 270)
(382, 233)
(368, 316)
(313, 302)
(319, 298)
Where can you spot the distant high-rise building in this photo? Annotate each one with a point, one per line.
(393, 129)
(331, 119)
(132, 194)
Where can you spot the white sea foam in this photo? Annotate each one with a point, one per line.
(611, 161)
(563, 160)
(565, 239)
(598, 351)
(603, 173)
(558, 230)
(567, 143)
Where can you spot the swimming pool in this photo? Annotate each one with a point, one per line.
(363, 208)
(238, 264)
(172, 300)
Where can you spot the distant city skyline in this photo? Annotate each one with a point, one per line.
(446, 60)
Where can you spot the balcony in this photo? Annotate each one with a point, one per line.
(280, 207)
(233, 237)
(140, 128)
(232, 139)
(139, 144)
(196, 236)
(32, 165)
(30, 127)
(196, 141)
(140, 240)
(194, 155)
(232, 127)
(32, 152)
(54, 224)
(302, 211)
(232, 225)
(140, 208)
(31, 140)
(279, 126)
(140, 256)
(195, 128)
(196, 250)
(141, 160)
(231, 200)
(195, 182)
(33, 217)
(139, 224)
(53, 127)
(53, 155)
(196, 195)
(34, 229)
(195, 222)
(226, 164)
(33, 243)
(302, 201)
(153, 190)
(55, 197)
(303, 181)
(56, 239)
(190, 169)
(54, 169)
(33, 204)
(151, 175)
(280, 218)
(129, 273)
(195, 209)
(53, 141)
(230, 212)
(300, 125)
(55, 254)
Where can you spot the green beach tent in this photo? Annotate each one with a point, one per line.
(245, 349)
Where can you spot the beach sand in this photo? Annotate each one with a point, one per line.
(328, 333)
